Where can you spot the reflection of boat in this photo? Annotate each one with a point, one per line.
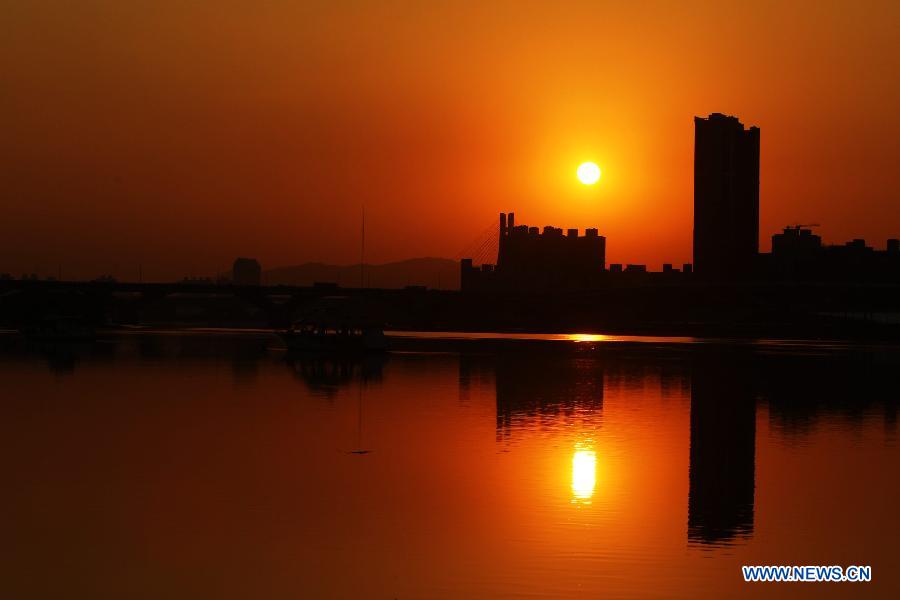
(59, 329)
(321, 337)
(326, 373)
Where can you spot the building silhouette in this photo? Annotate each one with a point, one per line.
(531, 259)
(726, 197)
(799, 255)
(246, 271)
(725, 237)
(796, 243)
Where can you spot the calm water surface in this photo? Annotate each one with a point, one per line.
(214, 466)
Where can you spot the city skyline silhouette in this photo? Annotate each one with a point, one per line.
(156, 140)
(472, 299)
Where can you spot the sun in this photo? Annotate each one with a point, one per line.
(588, 173)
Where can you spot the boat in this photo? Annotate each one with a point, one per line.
(335, 324)
(306, 336)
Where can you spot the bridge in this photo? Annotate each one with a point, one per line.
(103, 302)
(760, 309)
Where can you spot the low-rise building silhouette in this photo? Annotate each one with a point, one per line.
(799, 255)
(531, 259)
(246, 271)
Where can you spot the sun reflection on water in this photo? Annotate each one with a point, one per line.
(587, 337)
(584, 474)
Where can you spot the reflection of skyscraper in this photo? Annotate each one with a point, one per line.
(723, 448)
(726, 196)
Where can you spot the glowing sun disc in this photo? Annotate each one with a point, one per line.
(588, 173)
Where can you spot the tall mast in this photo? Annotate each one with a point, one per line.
(362, 251)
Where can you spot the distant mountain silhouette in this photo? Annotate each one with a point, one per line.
(435, 273)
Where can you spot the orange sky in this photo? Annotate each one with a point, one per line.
(182, 134)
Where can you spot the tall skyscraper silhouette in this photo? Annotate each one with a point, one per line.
(726, 197)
